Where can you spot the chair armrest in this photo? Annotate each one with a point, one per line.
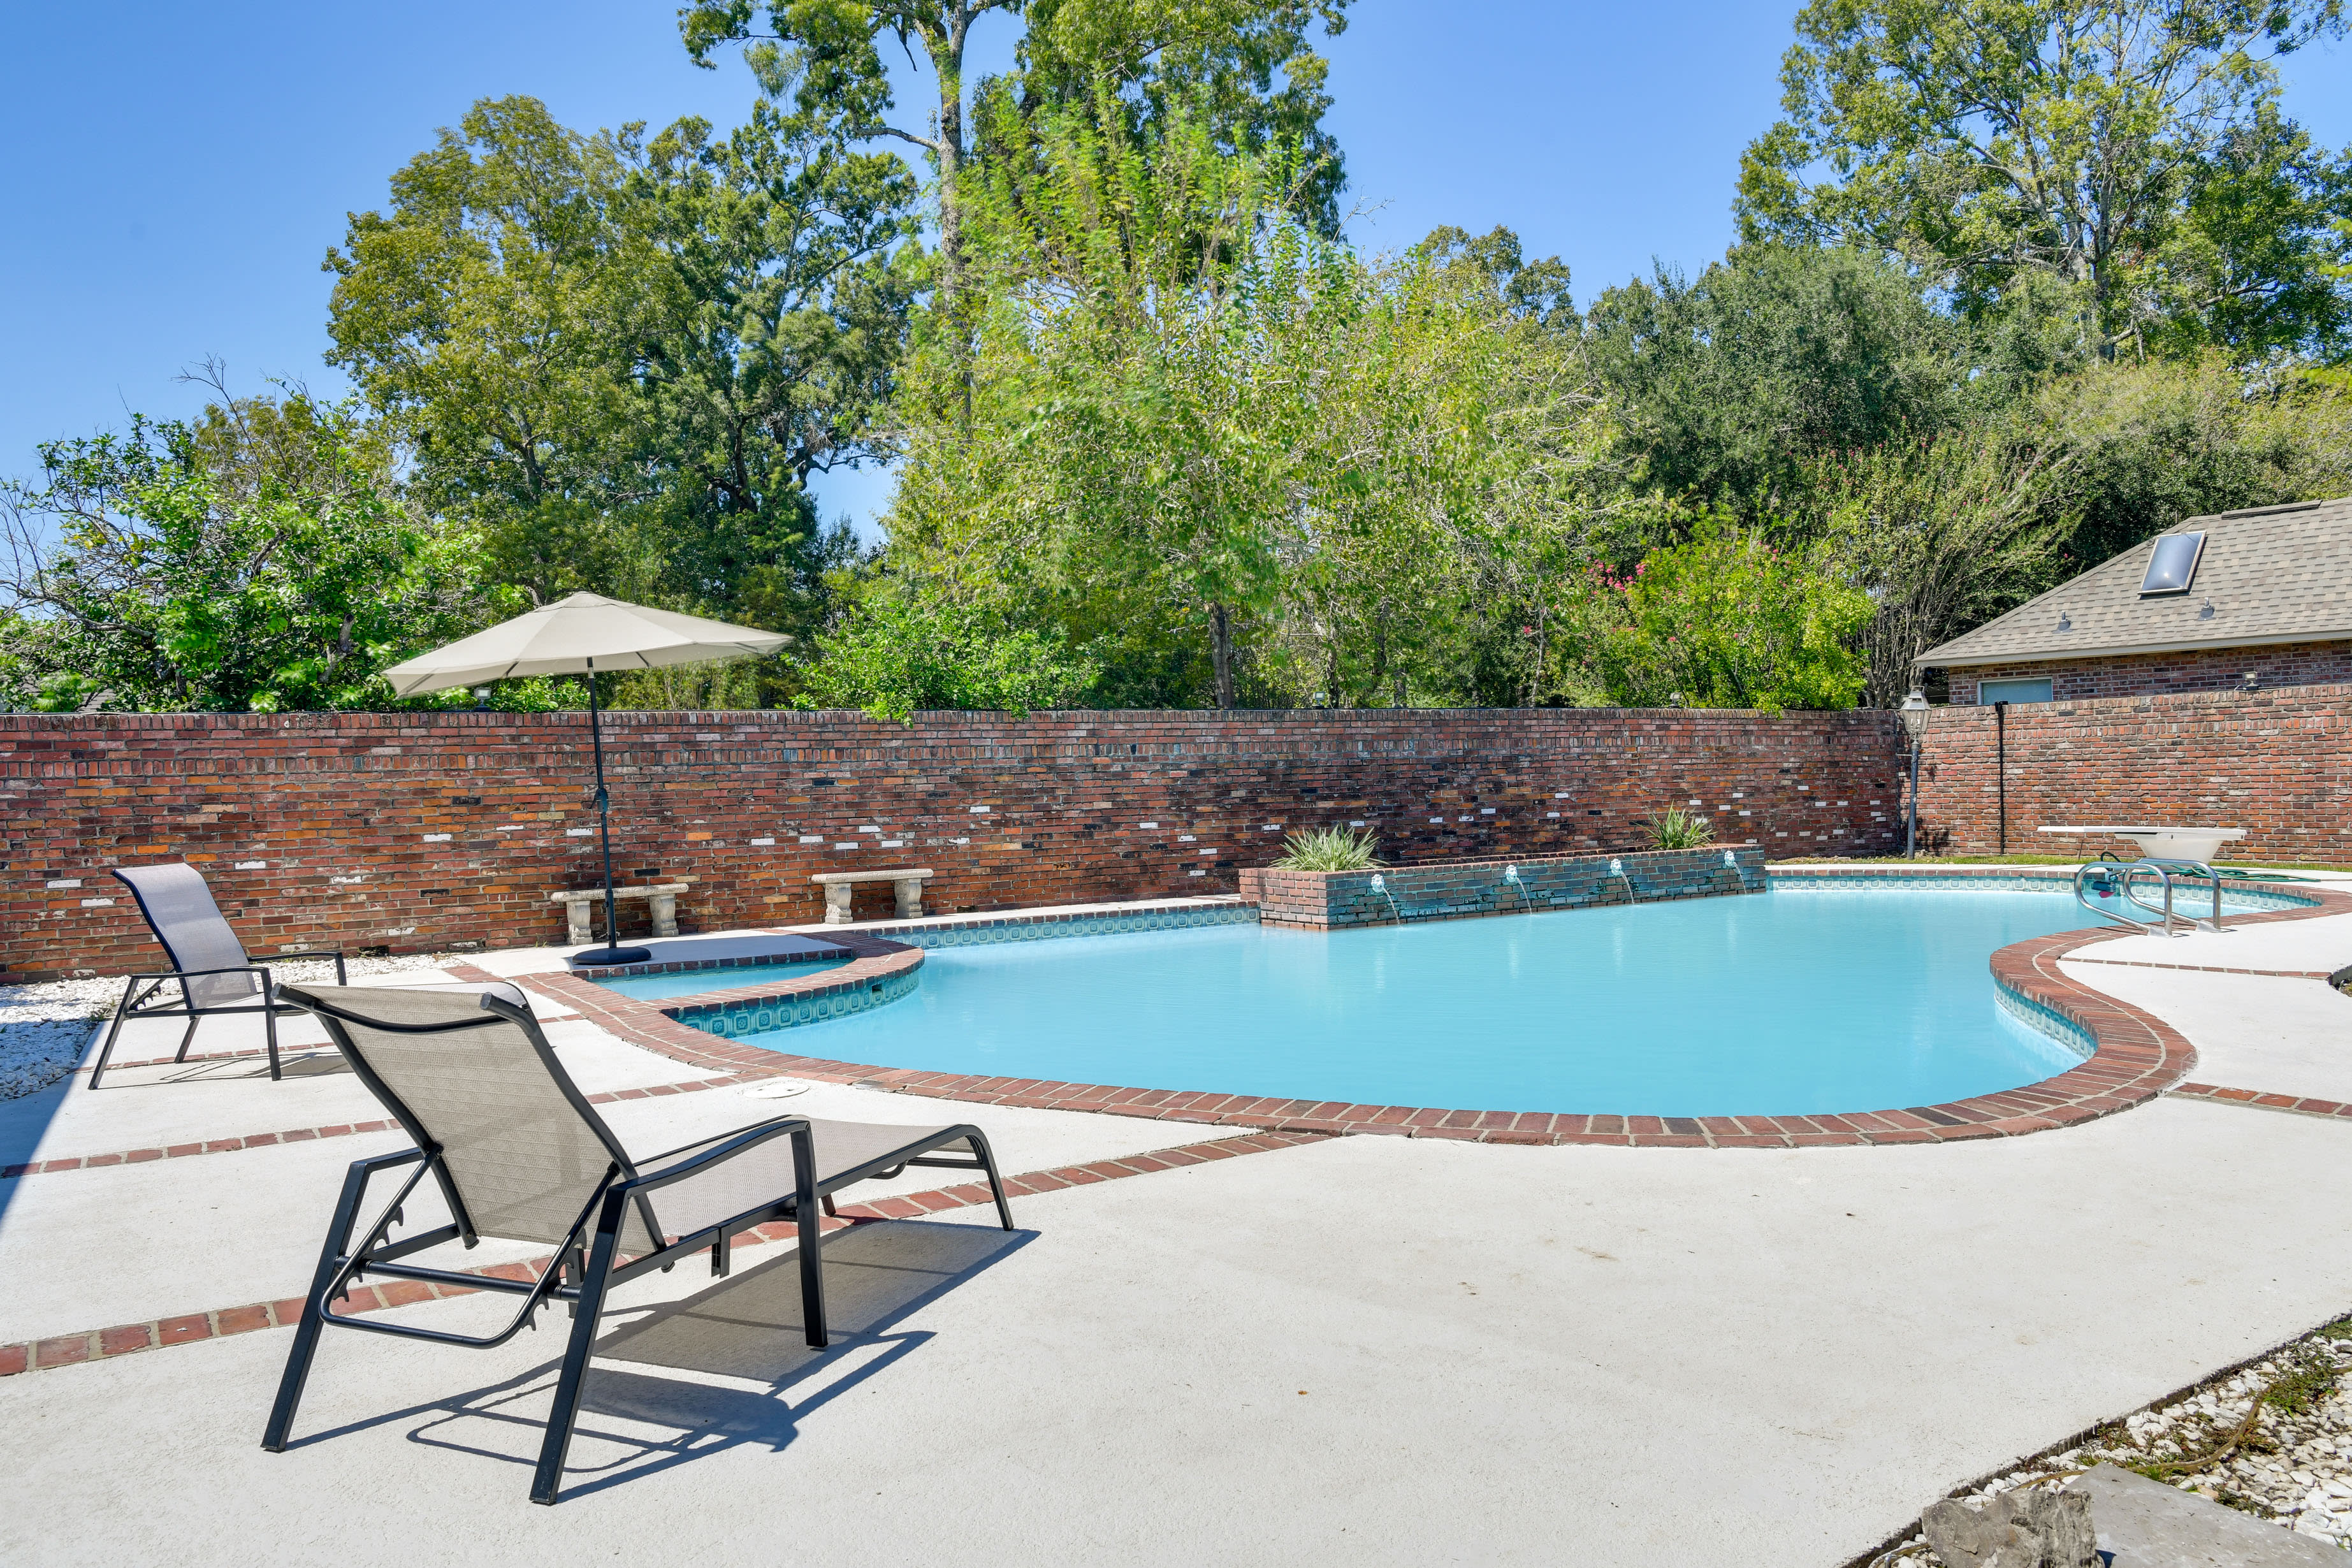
(715, 1151)
(200, 973)
(342, 974)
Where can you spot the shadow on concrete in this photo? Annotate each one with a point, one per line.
(746, 1330)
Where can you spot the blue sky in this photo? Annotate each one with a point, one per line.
(181, 170)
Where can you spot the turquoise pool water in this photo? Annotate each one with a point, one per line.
(693, 982)
(1788, 1002)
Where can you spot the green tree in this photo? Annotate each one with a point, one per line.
(1730, 387)
(895, 651)
(624, 360)
(1247, 59)
(1138, 390)
(258, 558)
(1729, 621)
(2147, 447)
(2115, 146)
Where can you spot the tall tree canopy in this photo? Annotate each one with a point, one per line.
(2130, 150)
(1730, 385)
(258, 558)
(1248, 61)
(624, 358)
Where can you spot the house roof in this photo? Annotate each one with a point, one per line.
(2268, 574)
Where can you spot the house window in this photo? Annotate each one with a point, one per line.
(1991, 692)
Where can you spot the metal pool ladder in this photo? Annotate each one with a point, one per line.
(2120, 874)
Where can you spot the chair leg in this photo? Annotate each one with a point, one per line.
(269, 1035)
(566, 1412)
(314, 1307)
(112, 1030)
(186, 1039)
(804, 1210)
(979, 1142)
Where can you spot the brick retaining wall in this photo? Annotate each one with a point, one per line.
(416, 831)
(2278, 764)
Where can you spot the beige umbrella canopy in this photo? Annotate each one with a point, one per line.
(575, 635)
(581, 634)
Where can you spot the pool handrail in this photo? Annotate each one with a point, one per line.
(2163, 869)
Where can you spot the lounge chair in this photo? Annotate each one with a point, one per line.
(209, 964)
(518, 1156)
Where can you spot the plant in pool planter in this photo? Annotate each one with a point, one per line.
(1328, 849)
(1675, 828)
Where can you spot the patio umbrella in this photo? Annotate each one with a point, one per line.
(580, 634)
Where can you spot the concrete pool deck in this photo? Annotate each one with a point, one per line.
(1605, 1354)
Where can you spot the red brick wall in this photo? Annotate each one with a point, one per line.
(2278, 764)
(413, 832)
(2149, 674)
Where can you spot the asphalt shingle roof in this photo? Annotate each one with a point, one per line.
(2269, 574)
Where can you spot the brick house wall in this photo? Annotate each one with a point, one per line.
(411, 832)
(2149, 674)
(2275, 763)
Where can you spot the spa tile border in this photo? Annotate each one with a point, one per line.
(189, 1327)
(2134, 1058)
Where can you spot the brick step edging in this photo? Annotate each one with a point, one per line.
(190, 1328)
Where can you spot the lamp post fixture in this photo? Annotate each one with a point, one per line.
(1914, 713)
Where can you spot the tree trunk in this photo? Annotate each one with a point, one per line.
(1221, 654)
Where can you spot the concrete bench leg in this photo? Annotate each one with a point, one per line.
(665, 913)
(836, 903)
(910, 898)
(576, 914)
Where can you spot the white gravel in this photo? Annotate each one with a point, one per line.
(46, 1026)
(2292, 1466)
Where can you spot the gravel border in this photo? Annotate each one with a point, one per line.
(46, 1025)
(2271, 1437)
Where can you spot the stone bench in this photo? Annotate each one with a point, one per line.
(838, 886)
(662, 896)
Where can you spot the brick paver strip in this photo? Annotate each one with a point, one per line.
(308, 1134)
(127, 1338)
(2301, 1105)
(2138, 1055)
(2208, 968)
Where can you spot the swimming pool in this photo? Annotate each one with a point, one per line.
(1794, 1001)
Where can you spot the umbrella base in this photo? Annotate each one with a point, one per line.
(608, 957)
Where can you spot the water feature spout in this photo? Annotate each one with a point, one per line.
(1380, 886)
(1617, 870)
(1511, 875)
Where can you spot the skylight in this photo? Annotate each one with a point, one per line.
(2173, 566)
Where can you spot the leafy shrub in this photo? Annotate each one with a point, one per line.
(1328, 849)
(1675, 828)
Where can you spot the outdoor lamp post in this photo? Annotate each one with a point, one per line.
(1915, 712)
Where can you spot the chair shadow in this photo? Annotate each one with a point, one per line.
(747, 1329)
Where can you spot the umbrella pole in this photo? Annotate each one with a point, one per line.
(612, 952)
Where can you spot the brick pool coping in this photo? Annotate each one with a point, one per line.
(2135, 1056)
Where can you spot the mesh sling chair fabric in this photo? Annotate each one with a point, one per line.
(209, 964)
(517, 1153)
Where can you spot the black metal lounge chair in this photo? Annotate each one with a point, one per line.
(518, 1156)
(209, 963)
